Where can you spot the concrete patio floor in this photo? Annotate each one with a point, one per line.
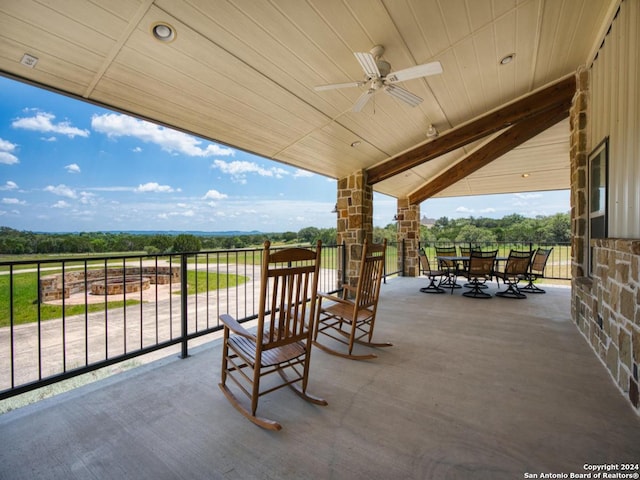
(473, 389)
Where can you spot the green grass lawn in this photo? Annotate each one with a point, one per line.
(254, 257)
(25, 296)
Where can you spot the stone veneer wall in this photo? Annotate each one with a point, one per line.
(355, 220)
(606, 305)
(409, 233)
(606, 309)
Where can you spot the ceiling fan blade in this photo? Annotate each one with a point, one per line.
(333, 86)
(362, 100)
(404, 95)
(418, 71)
(368, 64)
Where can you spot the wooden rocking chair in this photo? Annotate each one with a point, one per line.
(283, 337)
(350, 318)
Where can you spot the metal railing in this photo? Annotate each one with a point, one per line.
(392, 265)
(57, 321)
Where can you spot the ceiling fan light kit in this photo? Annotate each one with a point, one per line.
(378, 76)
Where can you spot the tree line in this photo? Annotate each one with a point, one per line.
(15, 242)
(512, 228)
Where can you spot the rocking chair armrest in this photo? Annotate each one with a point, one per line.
(334, 298)
(233, 325)
(349, 288)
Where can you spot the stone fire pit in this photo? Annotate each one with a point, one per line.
(119, 285)
(110, 281)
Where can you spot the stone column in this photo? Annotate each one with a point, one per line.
(578, 155)
(355, 221)
(408, 218)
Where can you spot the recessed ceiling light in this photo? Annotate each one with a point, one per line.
(356, 143)
(507, 59)
(525, 175)
(163, 32)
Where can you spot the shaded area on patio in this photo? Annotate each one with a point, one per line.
(471, 389)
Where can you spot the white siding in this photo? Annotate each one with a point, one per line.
(615, 112)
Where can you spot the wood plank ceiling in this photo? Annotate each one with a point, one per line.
(242, 73)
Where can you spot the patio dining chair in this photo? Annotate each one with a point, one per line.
(350, 318)
(282, 340)
(536, 270)
(450, 266)
(481, 266)
(432, 275)
(465, 252)
(514, 271)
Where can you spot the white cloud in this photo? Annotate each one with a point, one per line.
(167, 215)
(61, 190)
(137, 150)
(87, 198)
(112, 189)
(464, 210)
(488, 210)
(239, 168)
(303, 173)
(7, 146)
(10, 185)
(6, 157)
(155, 187)
(49, 139)
(60, 204)
(13, 201)
(72, 168)
(214, 195)
(115, 125)
(528, 196)
(44, 122)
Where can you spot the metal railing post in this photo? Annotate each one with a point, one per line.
(183, 306)
(404, 256)
(344, 263)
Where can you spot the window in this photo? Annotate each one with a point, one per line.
(598, 170)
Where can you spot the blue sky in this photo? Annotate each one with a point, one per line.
(66, 165)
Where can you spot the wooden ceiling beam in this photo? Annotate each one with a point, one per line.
(549, 97)
(503, 143)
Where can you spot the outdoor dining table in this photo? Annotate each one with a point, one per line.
(456, 259)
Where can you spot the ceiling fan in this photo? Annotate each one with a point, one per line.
(378, 75)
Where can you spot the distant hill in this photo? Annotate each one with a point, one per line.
(197, 233)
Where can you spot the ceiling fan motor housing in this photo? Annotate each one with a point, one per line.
(383, 67)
